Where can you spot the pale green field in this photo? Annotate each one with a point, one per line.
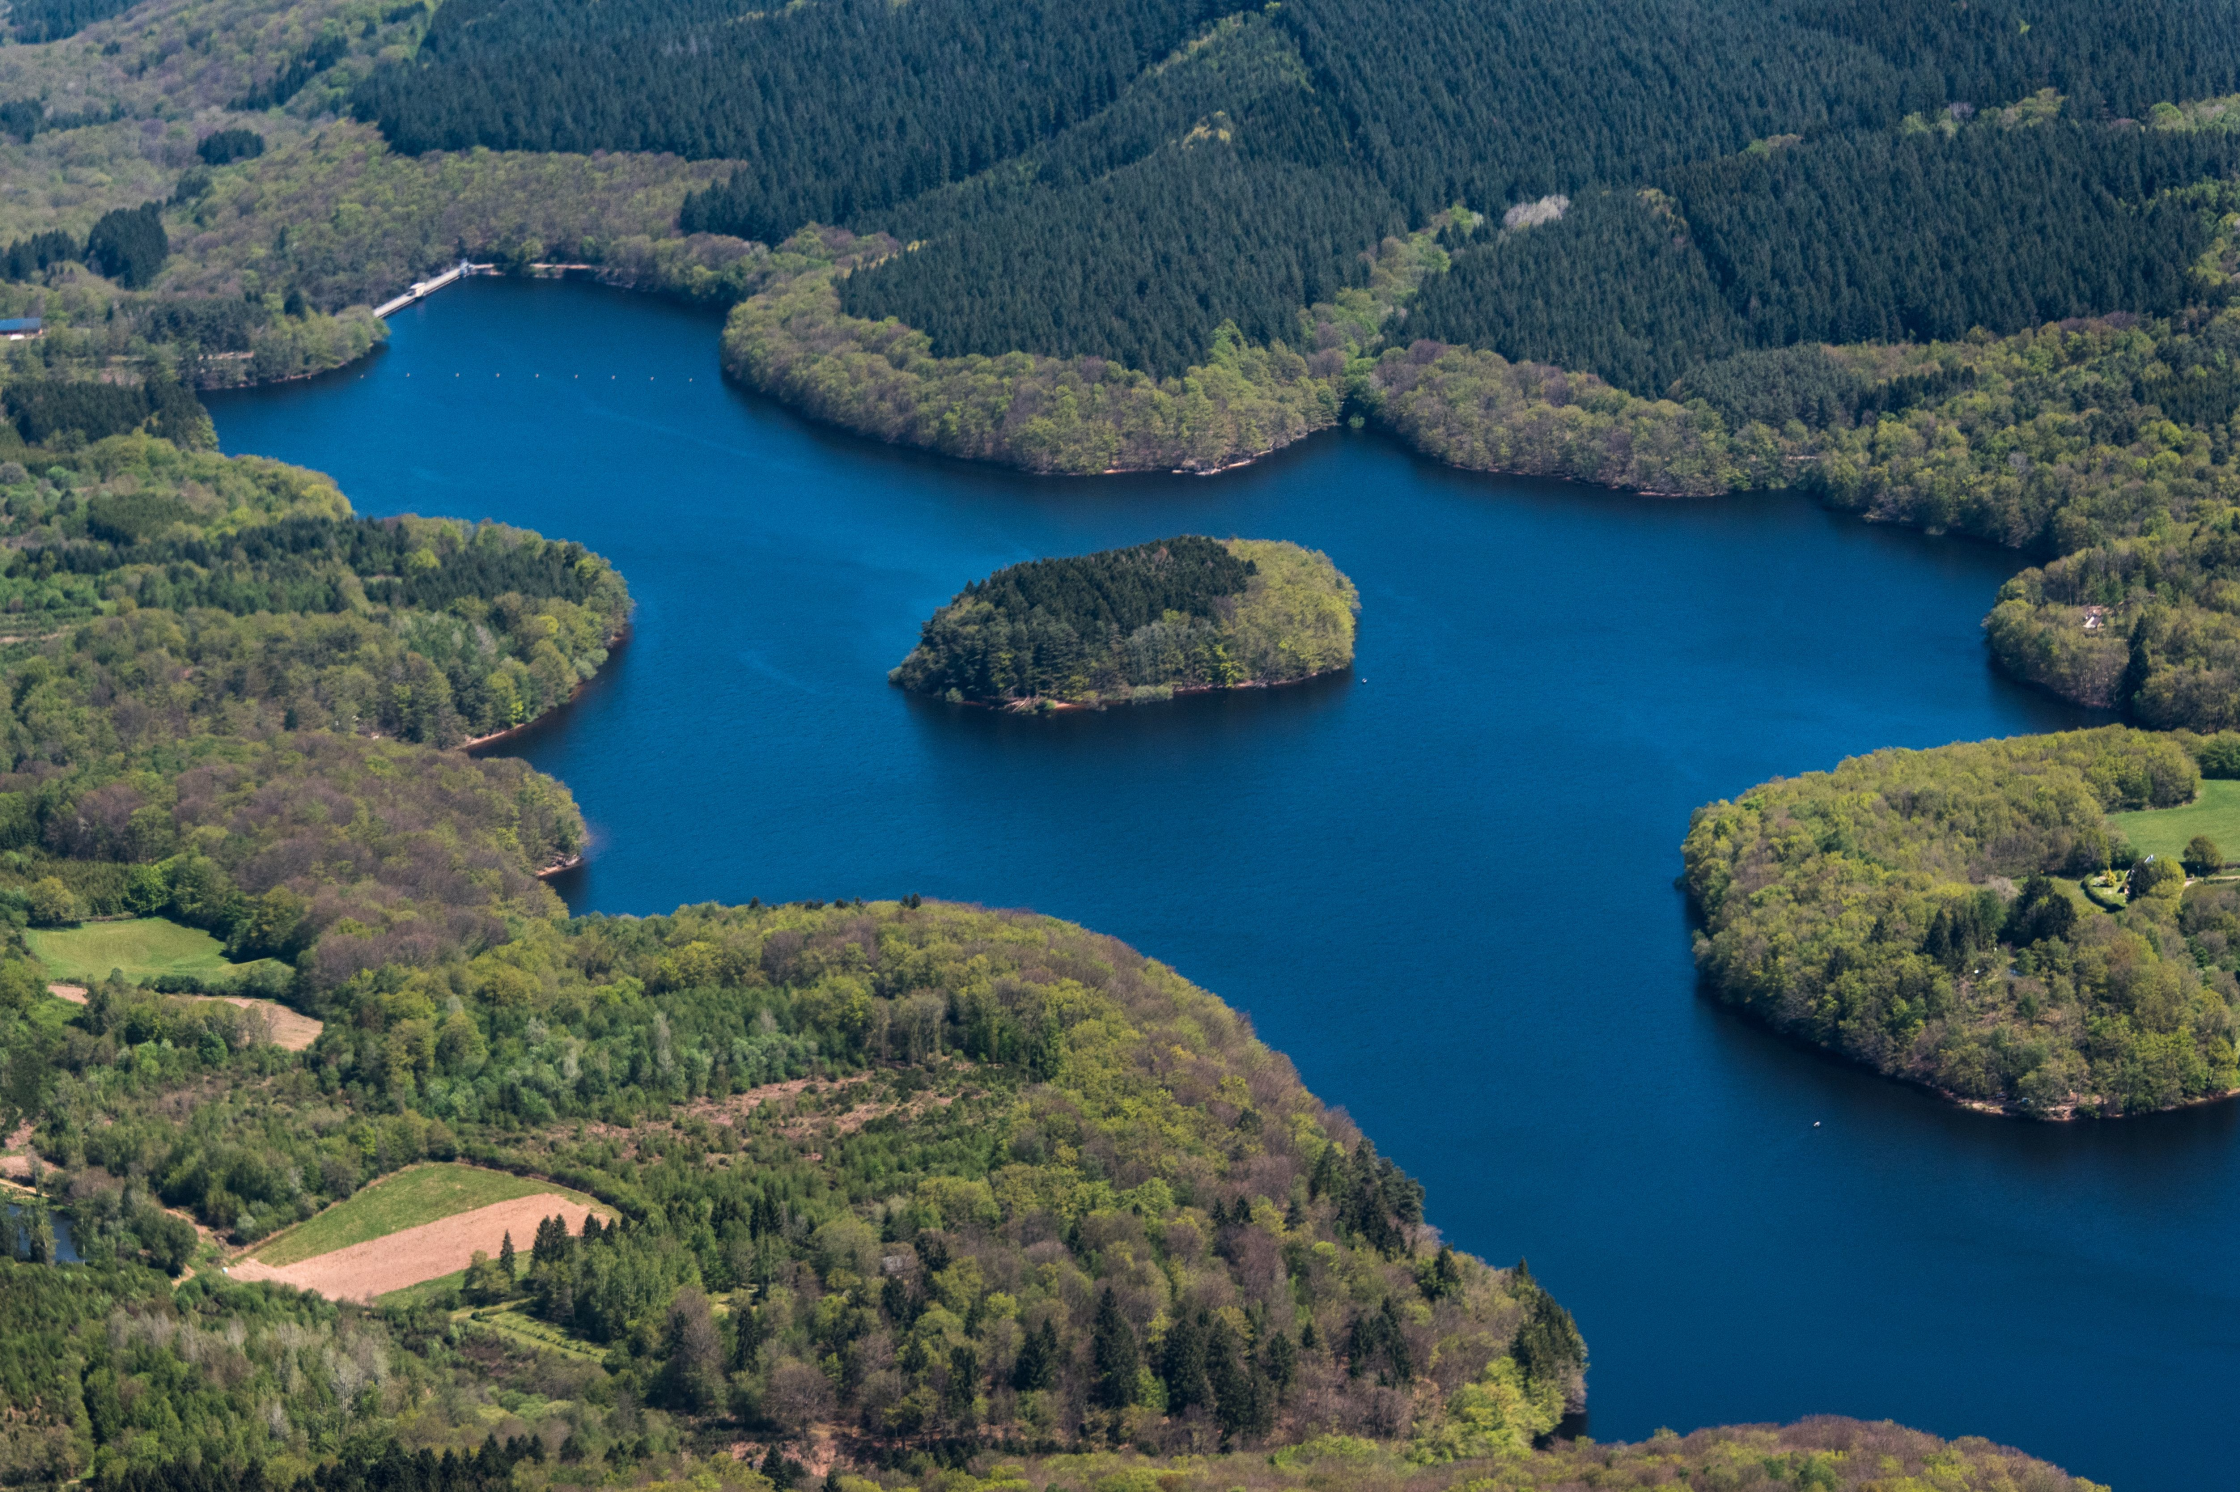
(2164, 831)
(143, 948)
(406, 1200)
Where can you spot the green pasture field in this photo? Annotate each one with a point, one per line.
(2163, 832)
(406, 1200)
(143, 948)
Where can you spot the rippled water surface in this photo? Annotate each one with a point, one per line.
(1443, 886)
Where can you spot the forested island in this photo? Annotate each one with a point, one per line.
(1135, 625)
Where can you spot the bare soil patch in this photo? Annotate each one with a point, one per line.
(287, 1029)
(291, 1030)
(414, 1255)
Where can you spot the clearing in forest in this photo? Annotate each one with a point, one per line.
(2163, 832)
(143, 947)
(290, 1030)
(366, 1271)
(412, 1198)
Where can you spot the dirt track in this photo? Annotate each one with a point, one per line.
(430, 1251)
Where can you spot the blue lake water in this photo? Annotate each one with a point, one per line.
(1444, 886)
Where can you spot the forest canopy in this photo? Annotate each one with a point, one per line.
(1137, 624)
(1919, 913)
(1148, 172)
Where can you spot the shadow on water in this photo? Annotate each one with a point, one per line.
(1443, 886)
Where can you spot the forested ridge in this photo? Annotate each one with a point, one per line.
(1126, 208)
(1919, 235)
(928, 1176)
(1136, 624)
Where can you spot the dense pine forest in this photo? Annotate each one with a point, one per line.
(1112, 207)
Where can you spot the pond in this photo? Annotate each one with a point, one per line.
(1444, 885)
(13, 1219)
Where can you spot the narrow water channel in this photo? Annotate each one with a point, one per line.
(1444, 886)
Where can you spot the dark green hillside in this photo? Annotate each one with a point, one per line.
(846, 109)
(1118, 588)
(1614, 286)
(1914, 236)
(33, 21)
(1118, 238)
(1136, 177)
(1137, 624)
(1499, 104)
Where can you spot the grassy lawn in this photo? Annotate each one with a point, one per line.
(405, 1200)
(2164, 831)
(143, 947)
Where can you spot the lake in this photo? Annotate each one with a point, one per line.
(1444, 886)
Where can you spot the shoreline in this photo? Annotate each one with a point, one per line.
(1989, 1108)
(1040, 704)
(474, 744)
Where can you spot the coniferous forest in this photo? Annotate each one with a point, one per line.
(1139, 178)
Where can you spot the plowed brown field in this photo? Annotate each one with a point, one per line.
(413, 1255)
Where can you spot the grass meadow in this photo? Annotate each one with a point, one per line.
(407, 1199)
(143, 948)
(2164, 831)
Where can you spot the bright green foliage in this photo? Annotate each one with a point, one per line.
(237, 631)
(1082, 414)
(1899, 910)
(1013, 1132)
(1185, 613)
(2214, 814)
(2153, 876)
(142, 947)
(345, 221)
(1478, 410)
